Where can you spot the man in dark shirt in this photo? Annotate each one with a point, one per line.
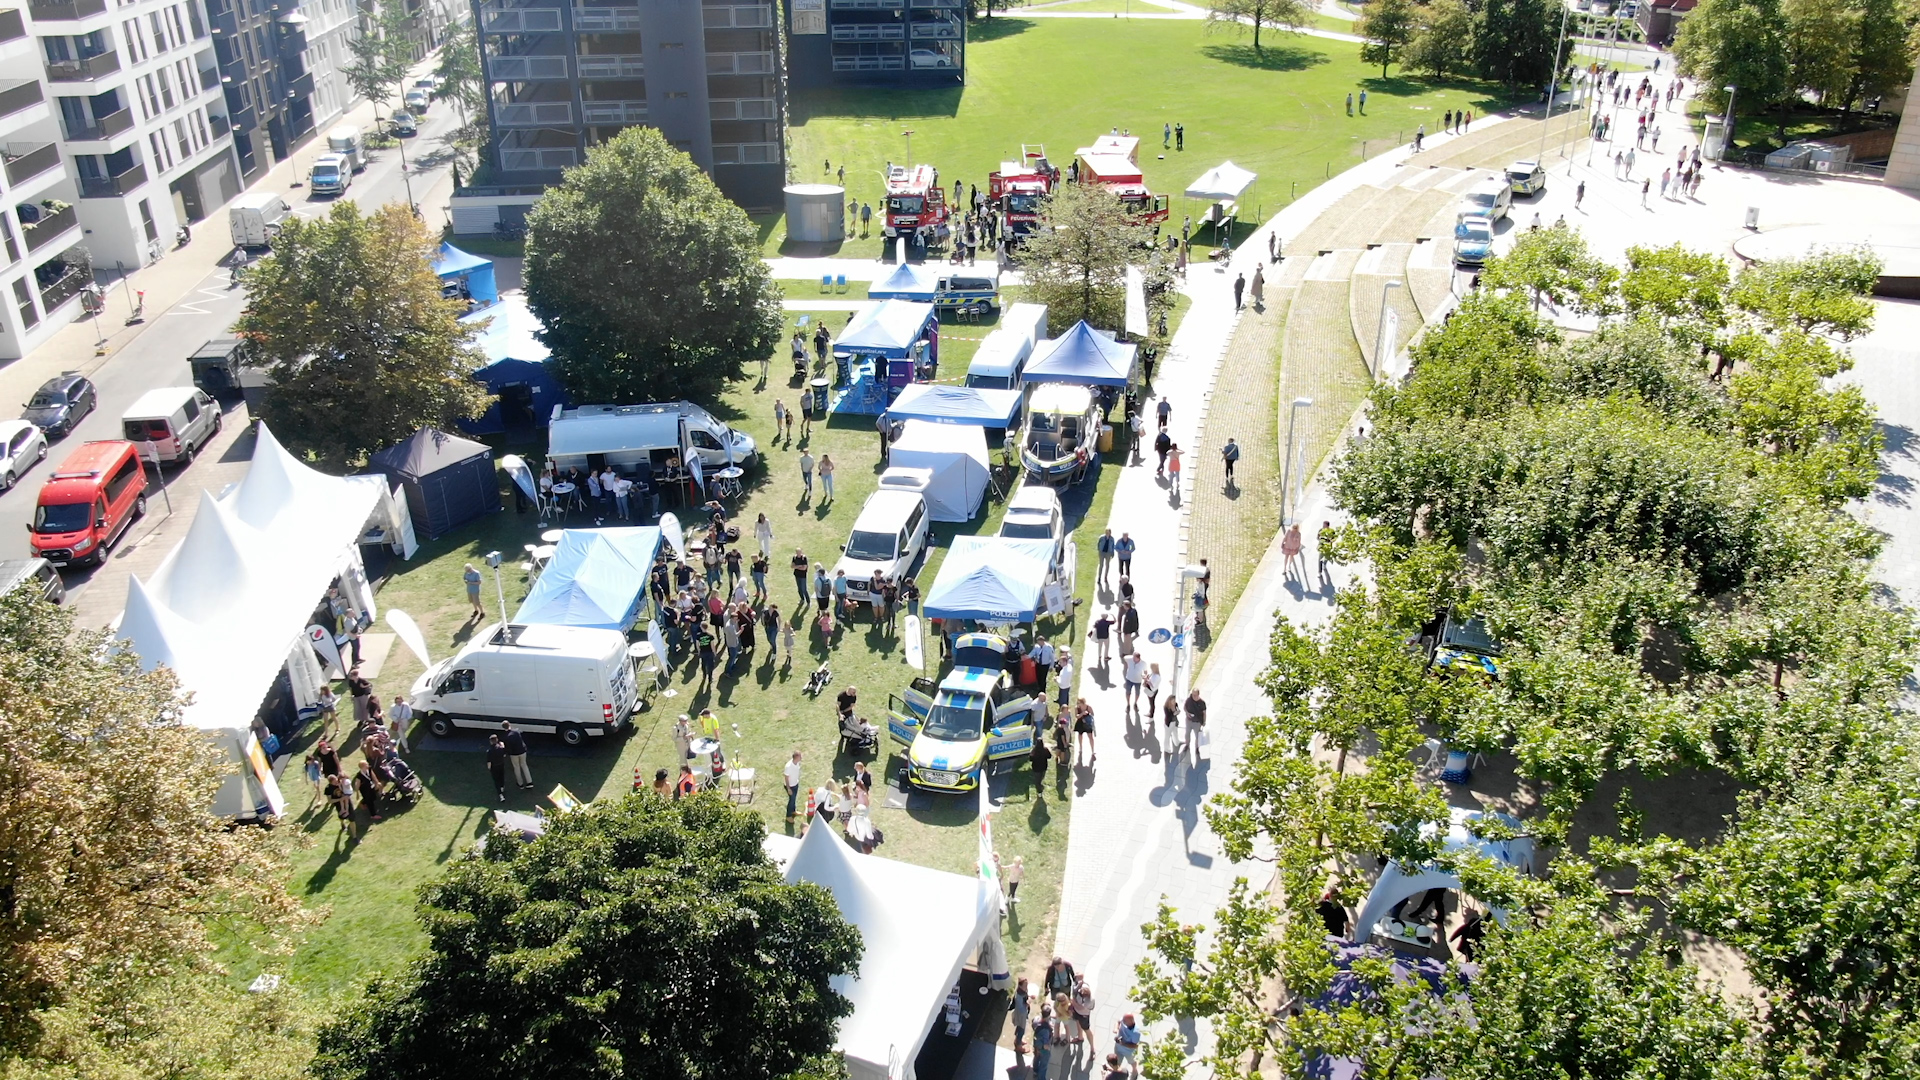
(516, 745)
(800, 564)
(1196, 721)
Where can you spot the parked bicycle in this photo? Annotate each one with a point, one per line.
(505, 232)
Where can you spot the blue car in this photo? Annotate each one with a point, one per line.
(1473, 241)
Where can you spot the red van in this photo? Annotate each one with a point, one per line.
(88, 502)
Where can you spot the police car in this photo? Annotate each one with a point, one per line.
(974, 716)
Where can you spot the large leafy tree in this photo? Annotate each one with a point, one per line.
(114, 874)
(648, 280)
(379, 55)
(1554, 264)
(638, 939)
(1240, 16)
(1739, 43)
(1077, 265)
(1515, 41)
(1442, 46)
(347, 317)
(1389, 27)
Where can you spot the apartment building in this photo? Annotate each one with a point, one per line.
(916, 43)
(562, 77)
(112, 133)
(260, 47)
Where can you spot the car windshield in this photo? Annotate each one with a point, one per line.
(62, 517)
(1520, 174)
(1034, 529)
(904, 204)
(1475, 232)
(956, 717)
(47, 399)
(1481, 198)
(870, 546)
(325, 172)
(1023, 204)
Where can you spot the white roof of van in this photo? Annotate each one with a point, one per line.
(1000, 352)
(158, 402)
(254, 200)
(591, 641)
(887, 509)
(611, 429)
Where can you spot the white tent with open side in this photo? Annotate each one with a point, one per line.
(956, 455)
(1399, 883)
(920, 927)
(1224, 182)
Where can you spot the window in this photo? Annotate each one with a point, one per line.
(166, 87)
(136, 41)
(150, 98)
(162, 158)
(457, 682)
(200, 136)
(173, 22)
(180, 136)
(189, 82)
(159, 32)
(193, 410)
(122, 477)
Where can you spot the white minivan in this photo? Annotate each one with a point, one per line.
(1490, 198)
(889, 536)
(171, 423)
(570, 681)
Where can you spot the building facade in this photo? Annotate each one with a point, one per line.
(113, 133)
(707, 73)
(916, 43)
(261, 48)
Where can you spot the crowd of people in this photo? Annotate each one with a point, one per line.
(382, 775)
(1064, 1022)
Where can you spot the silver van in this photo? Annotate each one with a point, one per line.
(1490, 199)
(171, 423)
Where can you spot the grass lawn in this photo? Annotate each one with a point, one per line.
(809, 289)
(1765, 132)
(1061, 82)
(367, 889)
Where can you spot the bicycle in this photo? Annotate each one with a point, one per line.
(506, 233)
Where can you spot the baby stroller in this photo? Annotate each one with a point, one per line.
(857, 736)
(406, 782)
(818, 681)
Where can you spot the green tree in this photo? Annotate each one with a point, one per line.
(649, 281)
(379, 56)
(1827, 438)
(459, 70)
(1677, 286)
(1514, 41)
(1242, 15)
(644, 938)
(1077, 265)
(113, 871)
(1822, 36)
(1824, 293)
(1739, 43)
(1882, 57)
(346, 316)
(1555, 264)
(1485, 361)
(1442, 46)
(1388, 26)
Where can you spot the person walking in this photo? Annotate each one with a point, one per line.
(1162, 443)
(1259, 286)
(1101, 632)
(1645, 186)
(1165, 411)
(1173, 468)
(340, 796)
(399, 718)
(1126, 1043)
(1150, 686)
(1229, 454)
(1123, 548)
(472, 578)
(885, 427)
(806, 472)
(1273, 246)
(1021, 1008)
(1293, 548)
(826, 477)
(1166, 136)
(1363, 102)
(1196, 709)
(1179, 137)
(1063, 676)
(1239, 290)
(763, 532)
(1082, 1003)
(1134, 673)
(516, 745)
(497, 765)
(866, 217)
(1043, 1037)
(800, 566)
(1083, 732)
(1446, 120)
(1349, 103)
(1321, 541)
(367, 786)
(1104, 547)
(790, 775)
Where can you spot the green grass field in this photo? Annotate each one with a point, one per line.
(1062, 82)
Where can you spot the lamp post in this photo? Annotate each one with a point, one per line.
(907, 134)
(1553, 81)
(1382, 337)
(405, 177)
(493, 560)
(1726, 139)
(1286, 463)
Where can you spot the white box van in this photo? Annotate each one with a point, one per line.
(623, 436)
(1490, 199)
(255, 217)
(570, 681)
(889, 536)
(998, 361)
(171, 423)
(345, 141)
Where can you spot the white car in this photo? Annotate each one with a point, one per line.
(1034, 514)
(22, 446)
(929, 58)
(889, 536)
(417, 102)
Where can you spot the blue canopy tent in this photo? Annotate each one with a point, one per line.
(455, 265)
(596, 577)
(991, 579)
(909, 281)
(890, 329)
(1083, 356)
(942, 404)
(524, 390)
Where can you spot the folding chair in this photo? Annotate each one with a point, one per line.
(740, 784)
(826, 282)
(840, 283)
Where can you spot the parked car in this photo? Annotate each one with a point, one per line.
(37, 574)
(1527, 177)
(929, 58)
(61, 403)
(403, 124)
(171, 423)
(1033, 513)
(1490, 198)
(88, 502)
(1473, 241)
(22, 446)
(1454, 643)
(889, 536)
(417, 102)
(332, 175)
(974, 716)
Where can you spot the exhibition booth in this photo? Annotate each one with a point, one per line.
(448, 480)
(1083, 356)
(236, 609)
(938, 403)
(886, 346)
(465, 275)
(525, 391)
(1399, 883)
(992, 580)
(955, 459)
(594, 577)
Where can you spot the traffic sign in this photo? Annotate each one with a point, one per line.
(1179, 641)
(1159, 635)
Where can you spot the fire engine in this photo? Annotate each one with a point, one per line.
(1018, 188)
(915, 201)
(1113, 163)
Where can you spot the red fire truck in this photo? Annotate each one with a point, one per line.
(915, 201)
(1018, 188)
(1113, 163)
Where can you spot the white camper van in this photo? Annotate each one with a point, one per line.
(626, 436)
(570, 681)
(171, 423)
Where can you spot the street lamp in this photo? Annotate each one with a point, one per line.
(1553, 81)
(493, 560)
(908, 135)
(1726, 138)
(1286, 463)
(405, 178)
(1383, 338)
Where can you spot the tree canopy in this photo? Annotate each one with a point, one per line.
(1841, 52)
(643, 938)
(346, 316)
(1077, 265)
(1241, 16)
(648, 280)
(1389, 27)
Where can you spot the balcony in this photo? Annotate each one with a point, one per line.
(209, 79)
(866, 5)
(755, 17)
(83, 70)
(870, 32)
(941, 30)
(113, 187)
(605, 19)
(740, 109)
(301, 87)
(12, 26)
(105, 127)
(611, 67)
(869, 63)
(534, 114)
(67, 10)
(64, 288)
(521, 21)
(613, 112)
(526, 68)
(48, 228)
(539, 159)
(950, 4)
(219, 124)
(26, 161)
(740, 63)
(20, 95)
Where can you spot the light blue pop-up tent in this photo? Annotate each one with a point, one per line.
(478, 272)
(909, 281)
(888, 328)
(943, 404)
(991, 579)
(597, 577)
(1083, 356)
(524, 390)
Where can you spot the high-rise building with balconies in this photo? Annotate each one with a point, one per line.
(113, 133)
(566, 75)
(261, 49)
(877, 42)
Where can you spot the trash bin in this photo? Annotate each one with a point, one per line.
(1106, 438)
(819, 396)
(1753, 217)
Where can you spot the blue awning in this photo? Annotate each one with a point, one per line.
(909, 281)
(454, 263)
(512, 331)
(1082, 355)
(886, 328)
(990, 579)
(597, 577)
(944, 404)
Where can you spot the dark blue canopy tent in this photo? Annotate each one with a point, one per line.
(524, 390)
(456, 265)
(1082, 356)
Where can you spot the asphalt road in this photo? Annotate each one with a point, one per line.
(158, 355)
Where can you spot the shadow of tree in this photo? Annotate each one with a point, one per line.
(1267, 58)
(996, 28)
(873, 103)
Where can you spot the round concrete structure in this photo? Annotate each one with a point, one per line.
(816, 213)
(1897, 245)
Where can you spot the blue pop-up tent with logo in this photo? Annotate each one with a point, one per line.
(478, 272)
(909, 281)
(516, 374)
(596, 577)
(890, 329)
(942, 404)
(1083, 356)
(991, 579)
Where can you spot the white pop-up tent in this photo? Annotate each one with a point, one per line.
(919, 926)
(1399, 883)
(1224, 182)
(956, 455)
(229, 608)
